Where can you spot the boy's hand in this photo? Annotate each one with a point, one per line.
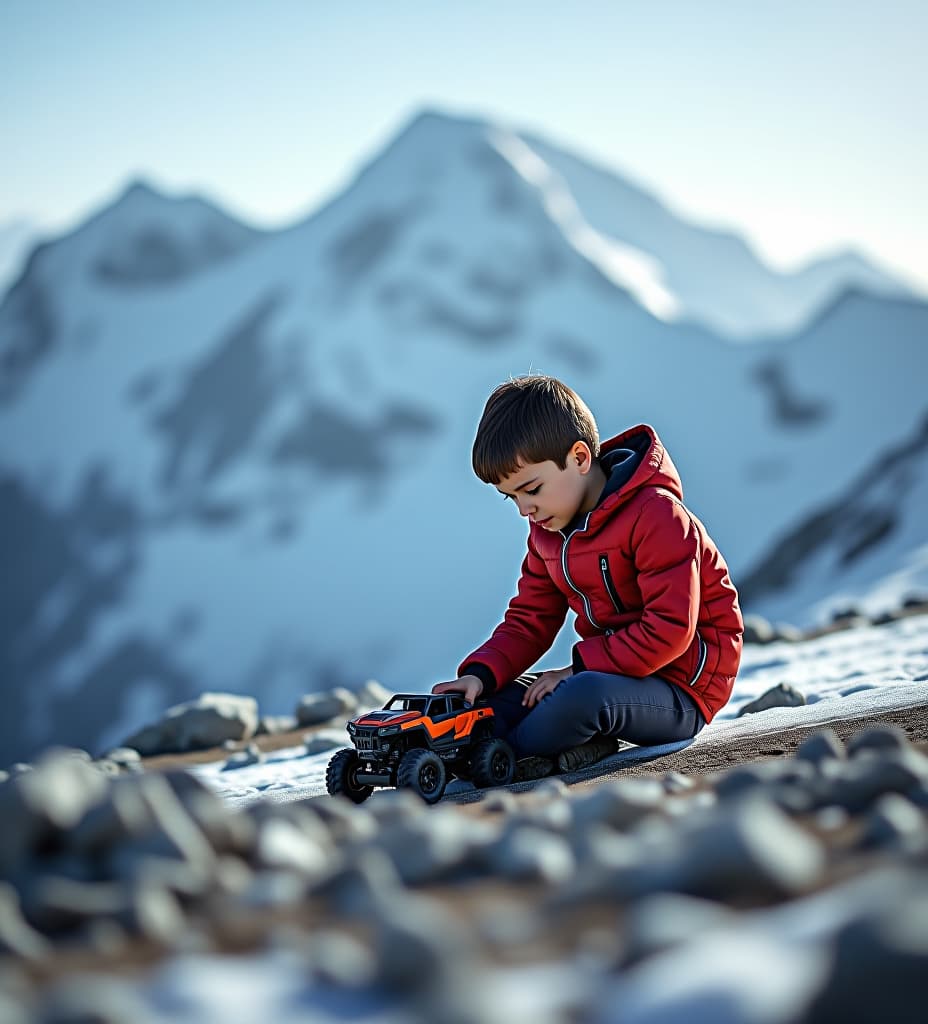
(470, 686)
(545, 683)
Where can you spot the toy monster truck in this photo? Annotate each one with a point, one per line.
(416, 742)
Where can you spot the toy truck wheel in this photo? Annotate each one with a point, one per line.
(341, 776)
(423, 772)
(493, 764)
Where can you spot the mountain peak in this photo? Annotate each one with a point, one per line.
(147, 237)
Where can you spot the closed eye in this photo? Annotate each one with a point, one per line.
(531, 493)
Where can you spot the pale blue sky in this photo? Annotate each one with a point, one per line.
(801, 124)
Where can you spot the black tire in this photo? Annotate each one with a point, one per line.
(341, 776)
(424, 773)
(493, 764)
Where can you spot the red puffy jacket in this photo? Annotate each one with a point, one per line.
(650, 590)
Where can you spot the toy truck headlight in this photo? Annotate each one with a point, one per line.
(352, 728)
(389, 730)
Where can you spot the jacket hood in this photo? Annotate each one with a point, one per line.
(632, 460)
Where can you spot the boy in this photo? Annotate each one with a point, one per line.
(610, 539)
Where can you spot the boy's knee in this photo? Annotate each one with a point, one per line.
(580, 689)
(593, 682)
(586, 677)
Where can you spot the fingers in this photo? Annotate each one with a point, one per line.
(539, 689)
(470, 686)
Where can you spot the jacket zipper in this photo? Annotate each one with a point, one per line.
(570, 582)
(609, 585)
(703, 654)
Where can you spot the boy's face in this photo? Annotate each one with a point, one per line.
(551, 496)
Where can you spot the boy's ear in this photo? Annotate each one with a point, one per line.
(582, 455)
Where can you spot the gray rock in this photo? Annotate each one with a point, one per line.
(548, 789)
(17, 937)
(339, 960)
(757, 630)
(61, 904)
(105, 938)
(391, 805)
(525, 853)
(850, 617)
(173, 852)
(274, 725)
(443, 845)
(893, 821)
(199, 724)
(430, 961)
(620, 804)
(282, 844)
(270, 889)
(320, 742)
(609, 871)
(877, 738)
(227, 830)
(39, 805)
(345, 822)
(759, 774)
(252, 754)
(55, 752)
(3, 777)
(359, 887)
(20, 768)
(556, 813)
(780, 696)
(746, 850)
(823, 745)
(122, 816)
(675, 782)
(879, 966)
(125, 757)
(498, 801)
(371, 695)
(325, 706)
(662, 921)
(855, 784)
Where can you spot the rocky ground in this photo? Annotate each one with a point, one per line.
(777, 879)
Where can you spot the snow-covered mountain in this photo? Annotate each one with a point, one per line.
(684, 271)
(240, 461)
(17, 238)
(867, 548)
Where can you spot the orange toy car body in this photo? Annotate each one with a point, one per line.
(416, 741)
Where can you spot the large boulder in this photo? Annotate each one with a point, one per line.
(780, 696)
(198, 724)
(326, 706)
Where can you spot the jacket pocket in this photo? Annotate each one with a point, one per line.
(701, 657)
(609, 584)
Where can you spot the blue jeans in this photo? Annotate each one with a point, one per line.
(646, 712)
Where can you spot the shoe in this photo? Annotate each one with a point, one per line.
(528, 768)
(588, 753)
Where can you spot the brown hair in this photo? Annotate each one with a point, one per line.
(530, 419)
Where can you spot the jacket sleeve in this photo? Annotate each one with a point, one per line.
(528, 629)
(666, 547)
